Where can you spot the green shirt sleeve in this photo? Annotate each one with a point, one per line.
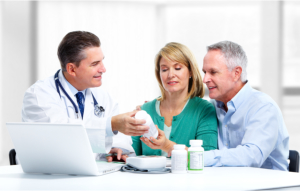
(208, 128)
(137, 145)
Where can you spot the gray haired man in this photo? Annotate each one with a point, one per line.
(251, 127)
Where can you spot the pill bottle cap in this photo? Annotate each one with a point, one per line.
(179, 147)
(141, 115)
(196, 143)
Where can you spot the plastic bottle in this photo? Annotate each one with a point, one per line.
(196, 157)
(149, 122)
(179, 159)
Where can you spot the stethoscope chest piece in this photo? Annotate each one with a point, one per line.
(99, 110)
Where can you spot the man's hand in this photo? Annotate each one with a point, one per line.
(119, 156)
(160, 143)
(126, 124)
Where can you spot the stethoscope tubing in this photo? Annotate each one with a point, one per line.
(58, 85)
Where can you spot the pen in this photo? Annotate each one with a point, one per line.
(115, 154)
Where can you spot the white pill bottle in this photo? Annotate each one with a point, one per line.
(179, 159)
(196, 157)
(149, 122)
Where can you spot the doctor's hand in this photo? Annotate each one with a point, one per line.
(118, 157)
(125, 123)
(160, 143)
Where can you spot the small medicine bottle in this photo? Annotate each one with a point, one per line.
(179, 159)
(195, 157)
(149, 122)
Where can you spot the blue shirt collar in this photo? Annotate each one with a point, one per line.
(238, 99)
(242, 95)
(73, 89)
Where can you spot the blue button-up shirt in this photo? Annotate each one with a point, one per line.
(252, 133)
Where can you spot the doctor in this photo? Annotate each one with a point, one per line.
(73, 95)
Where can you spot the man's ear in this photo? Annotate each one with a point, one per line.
(237, 73)
(71, 68)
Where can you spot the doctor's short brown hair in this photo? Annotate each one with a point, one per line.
(71, 48)
(180, 53)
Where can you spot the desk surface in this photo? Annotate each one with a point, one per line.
(222, 178)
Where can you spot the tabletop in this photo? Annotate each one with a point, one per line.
(213, 178)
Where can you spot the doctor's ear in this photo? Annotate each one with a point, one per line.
(71, 67)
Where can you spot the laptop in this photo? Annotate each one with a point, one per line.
(56, 149)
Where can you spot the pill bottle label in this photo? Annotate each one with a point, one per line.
(195, 160)
(179, 162)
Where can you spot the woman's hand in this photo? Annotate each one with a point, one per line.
(138, 108)
(160, 143)
(172, 148)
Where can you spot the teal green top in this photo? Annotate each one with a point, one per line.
(167, 130)
(196, 121)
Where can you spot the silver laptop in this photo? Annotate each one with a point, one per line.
(56, 149)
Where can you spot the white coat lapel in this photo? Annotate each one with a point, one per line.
(69, 105)
(88, 105)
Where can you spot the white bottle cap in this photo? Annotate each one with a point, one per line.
(179, 147)
(141, 115)
(196, 143)
(149, 122)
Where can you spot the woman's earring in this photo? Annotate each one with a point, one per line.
(190, 76)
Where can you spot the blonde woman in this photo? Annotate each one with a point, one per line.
(180, 112)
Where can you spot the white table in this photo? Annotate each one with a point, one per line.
(223, 178)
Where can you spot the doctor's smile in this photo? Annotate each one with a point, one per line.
(98, 77)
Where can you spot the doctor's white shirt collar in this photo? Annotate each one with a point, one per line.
(73, 89)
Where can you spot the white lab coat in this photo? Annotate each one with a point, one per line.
(42, 103)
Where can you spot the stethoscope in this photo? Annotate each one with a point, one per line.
(99, 110)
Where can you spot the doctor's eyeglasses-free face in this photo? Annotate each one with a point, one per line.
(98, 110)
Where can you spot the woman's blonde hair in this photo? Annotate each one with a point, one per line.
(180, 53)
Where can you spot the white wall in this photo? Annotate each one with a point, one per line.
(291, 68)
(198, 25)
(127, 32)
(291, 44)
(271, 59)
(16, 71)
(1, 63)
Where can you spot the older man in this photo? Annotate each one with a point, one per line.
(251, 127)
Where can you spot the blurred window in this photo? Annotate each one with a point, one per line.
(132, 33)
(291, 44)
(201, 24)
(127, 32)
